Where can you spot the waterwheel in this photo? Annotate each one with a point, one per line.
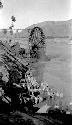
(36, 42)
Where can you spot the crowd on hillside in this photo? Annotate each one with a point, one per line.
(38, 92)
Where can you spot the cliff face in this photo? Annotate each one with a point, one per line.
(10, 61)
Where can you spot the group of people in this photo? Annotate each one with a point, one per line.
(29, 90)
(40, 91)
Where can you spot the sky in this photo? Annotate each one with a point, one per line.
(28, 12)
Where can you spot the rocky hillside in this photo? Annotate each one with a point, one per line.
(57, 66)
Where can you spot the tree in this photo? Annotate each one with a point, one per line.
(12, 25)
(1, 5)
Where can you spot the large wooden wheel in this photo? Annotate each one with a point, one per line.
(36, 41)
(36, 36)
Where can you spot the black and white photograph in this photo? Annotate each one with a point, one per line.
(35, 62)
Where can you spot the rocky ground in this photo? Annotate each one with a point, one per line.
(19, 118)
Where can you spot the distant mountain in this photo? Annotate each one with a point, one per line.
(51, 29)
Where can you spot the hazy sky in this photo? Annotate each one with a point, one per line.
(28, 12)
